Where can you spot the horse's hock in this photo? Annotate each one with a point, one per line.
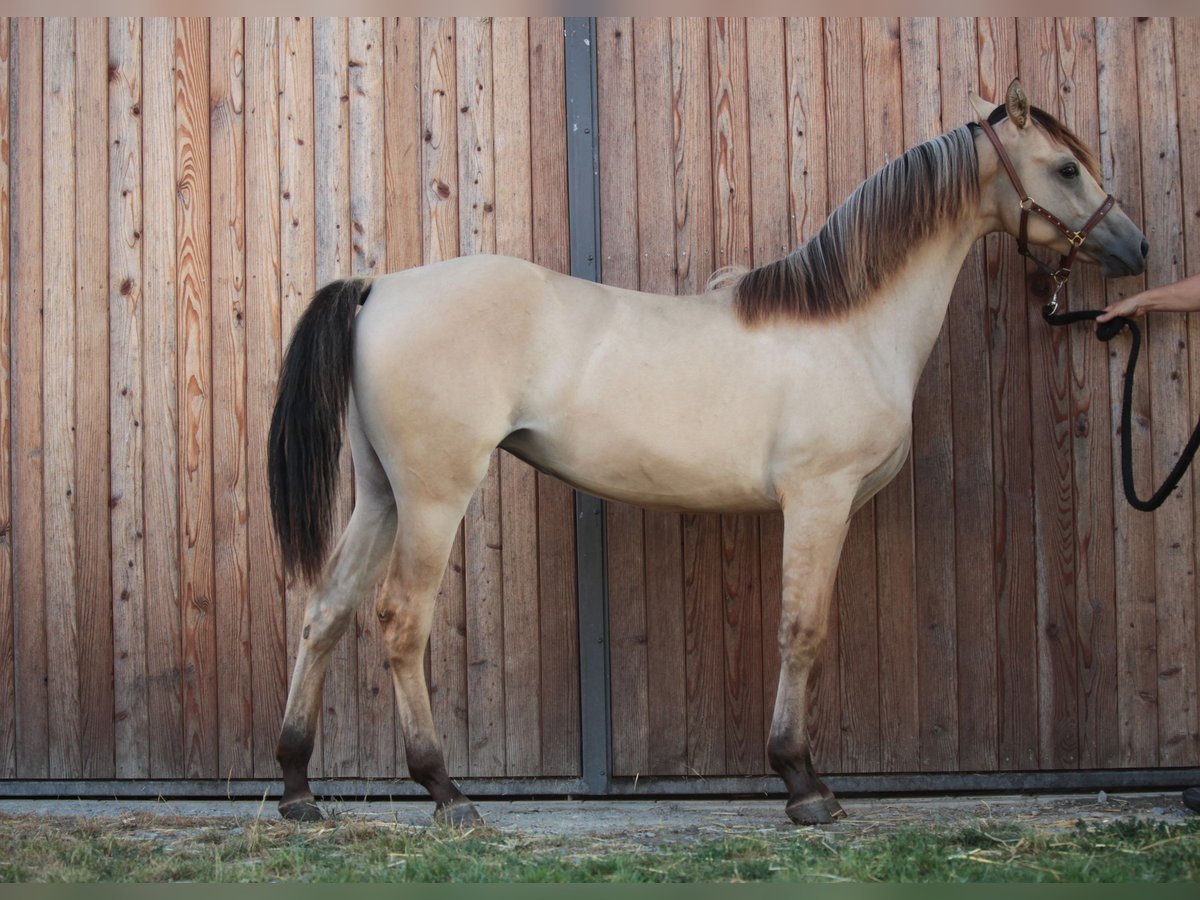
(177, 190)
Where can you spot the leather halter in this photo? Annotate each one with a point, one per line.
(1028, 205)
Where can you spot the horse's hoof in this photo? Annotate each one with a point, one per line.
(811, 811)
(460, 813)
(302, 809)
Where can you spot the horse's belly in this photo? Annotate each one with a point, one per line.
(699, 479)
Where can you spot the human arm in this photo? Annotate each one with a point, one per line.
(1179, 296)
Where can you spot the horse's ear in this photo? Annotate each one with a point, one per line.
(1017, 104)
(983, 109)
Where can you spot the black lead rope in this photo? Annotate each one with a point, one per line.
(1106, 331)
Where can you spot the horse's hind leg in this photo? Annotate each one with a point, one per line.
(356, 565)
(405, 608)
(813, 539)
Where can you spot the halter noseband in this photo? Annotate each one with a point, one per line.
(1028, 205)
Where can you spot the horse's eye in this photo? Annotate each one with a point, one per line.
(1070, 170)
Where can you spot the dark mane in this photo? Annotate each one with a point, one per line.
(869, 236)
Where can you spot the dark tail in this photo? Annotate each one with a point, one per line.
(306, 427)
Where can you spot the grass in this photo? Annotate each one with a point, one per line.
(147, 849)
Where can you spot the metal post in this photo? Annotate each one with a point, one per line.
(583, 186)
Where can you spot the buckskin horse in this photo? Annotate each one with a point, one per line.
(788, 387)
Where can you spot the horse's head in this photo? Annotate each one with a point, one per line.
(1060, 180)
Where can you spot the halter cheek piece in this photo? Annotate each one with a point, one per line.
(1028, 205)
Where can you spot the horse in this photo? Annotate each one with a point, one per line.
(801, 402)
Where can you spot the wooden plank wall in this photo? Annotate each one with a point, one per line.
(998, 607)
(171, 192)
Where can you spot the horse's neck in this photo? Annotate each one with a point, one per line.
(905, 321)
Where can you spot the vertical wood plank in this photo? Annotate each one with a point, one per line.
(28, 540)
(331, 153)
(192, 216)
(619, 179)
(8, 697)
(663, 543)
(160, 408)
(124, 333)
(899, 713)
(703, 637)
(402, 142)
(297, 242)
(231, 608)
(972, 436)
(933, 456)
(1054, 502)
(849, 702)
(769, 115)
(1012, 486)
(731, 87)
(58, 398)
(518, 482)
(1187, 79)
(1095, 596)
(484, 574)
(1137, 639)
(268, 638)
(559, 688)
(440, 231)
(376, 706)
(1170, 393)
(808, 202)
(93, 580)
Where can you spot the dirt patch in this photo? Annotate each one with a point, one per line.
(648, 823)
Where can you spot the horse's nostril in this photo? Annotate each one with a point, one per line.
(1145, 248)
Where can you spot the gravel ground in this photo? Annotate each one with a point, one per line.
(657, 822)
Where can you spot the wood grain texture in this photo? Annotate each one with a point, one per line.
(663, 544)
(694, 255)
(160, 406)
(402, 167)
(231, 563)
(1054, 499)
(59, 161)
(899, 715)
(971, 405)
(513, 200)
(619, 179)
(264, 337)
(368, 245)
(8, 698)
(1091, 426)
(193, 267)
(559, 687)
(851, 666)
(933, 456)
(297, 241)
(482, 532)
(1137, 637)
(332, 229)
(1187, 73)
(440, 231)
(808, 203)
(93, 579)
(1170, 394)
(732, 223)
(1012, 462)
(125, 399)
(26, 249)
(770, 239)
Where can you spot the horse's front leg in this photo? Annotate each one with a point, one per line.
(813, 536)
